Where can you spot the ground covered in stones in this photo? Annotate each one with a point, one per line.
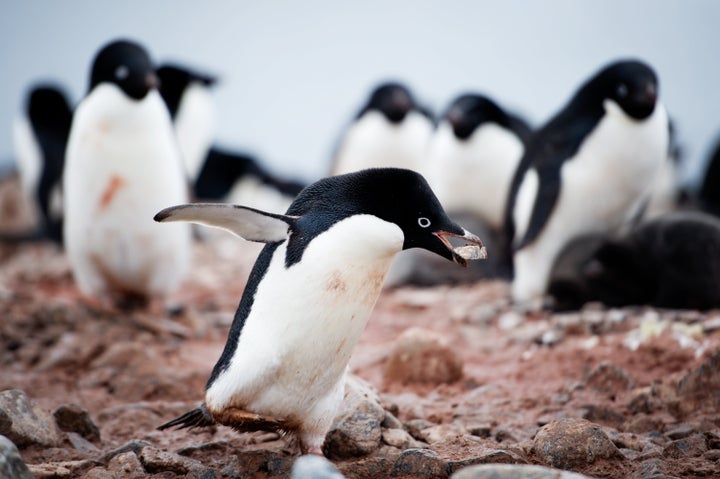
(444, 378)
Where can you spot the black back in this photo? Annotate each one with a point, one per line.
(174, 79)
(127, 65)
(469, 111)
(394, 195)
(394, 101)
(709, 194)
(631, 84)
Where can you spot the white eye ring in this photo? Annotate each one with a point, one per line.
(121, 72)
(423, 222)
(622, 90)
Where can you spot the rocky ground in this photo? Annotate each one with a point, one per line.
(444, 378)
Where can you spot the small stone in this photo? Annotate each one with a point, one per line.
(568, 443)
(24, 422)
(399, 438)
(11, 464)
(314, 467)
(127, 465)
(480, 430)
(642, 423)
(391, 422)
(602, 415)
(691, 446)
(423, 356)
(75, 418)
(154, 460)
(80, 443)
(441, 432)
(510, 320)
(416, 426)
(100, 473)
(514, 471)
(609, 379)
(201, 473)
(697, 391)
(419, 463)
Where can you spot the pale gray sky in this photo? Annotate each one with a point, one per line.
(293, 73)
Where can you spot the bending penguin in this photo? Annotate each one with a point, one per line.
(122, 165)
(588, 170)
(391, 130)
(310, 295)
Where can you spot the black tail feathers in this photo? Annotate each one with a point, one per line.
(198, 417)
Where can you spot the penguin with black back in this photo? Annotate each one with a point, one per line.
(122, 165)
(588, 170)
(40, 138)
(391, 130)
(310, 294)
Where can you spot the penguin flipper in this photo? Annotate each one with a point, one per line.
(247, 223)
(198, 417)
(547, 196)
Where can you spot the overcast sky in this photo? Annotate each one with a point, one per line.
(294, 72)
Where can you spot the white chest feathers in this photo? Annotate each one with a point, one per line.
(122, 166)
(195, 126)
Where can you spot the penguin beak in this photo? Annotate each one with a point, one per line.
(473, 248)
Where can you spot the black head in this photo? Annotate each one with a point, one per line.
(127, 65)
(631, 84)
(393, 100)
(49, 109)
(395, 195)
(174, 79)
(469, 111)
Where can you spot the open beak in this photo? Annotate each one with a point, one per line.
(473, 248)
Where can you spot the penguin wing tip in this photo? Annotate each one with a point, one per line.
(166, 213)
(198, 417)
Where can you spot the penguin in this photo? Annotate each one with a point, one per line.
(708, 196)
(310, 294)
(391, 130)
(187, 94)
(122, 165)
(672, 261)
(587, 170)
(665, 193)
(40, 137)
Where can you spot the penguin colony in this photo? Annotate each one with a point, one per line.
(573, 210)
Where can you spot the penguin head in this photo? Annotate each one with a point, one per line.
(632, 84)
(175, 79)
(125, 64)
(393, 100)
(395, 195)
(469, 111)
(48, 108)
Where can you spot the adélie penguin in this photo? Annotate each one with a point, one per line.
(122, 165)
(588, 170)
(391, 130)
(40, 137)
(310, 295)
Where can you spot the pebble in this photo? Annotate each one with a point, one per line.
(100, 473)
(314, 467)
(423, 356)
(80, 443)
(510, 320)
(691, 446)
(419, 463)
(154, 460)
(609, 379)
(127, 465)
(514, 471)
(24, 422)
(75, 418)
(400, 439)
(568, 443)
(356, 430)
(11, 464)
(698, 389)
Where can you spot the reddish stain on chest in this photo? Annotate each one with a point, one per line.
(110, 191)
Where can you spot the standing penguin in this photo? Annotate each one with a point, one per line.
(122, 165)
(588, 170)
(391, 130)
(310, 295)
(188, 97)
(40, 137)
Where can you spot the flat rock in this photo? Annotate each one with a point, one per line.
(513, 471)
(26, 423)
(11, 464)
(568, 443)
(356, 430)
(75, 418)
(154, 460)
(314, 467)
(126, 464)
(423, 356)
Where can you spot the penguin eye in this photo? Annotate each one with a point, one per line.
(423, 222)
(121, 72)
(622, 90)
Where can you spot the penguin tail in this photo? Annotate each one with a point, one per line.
(198, 417)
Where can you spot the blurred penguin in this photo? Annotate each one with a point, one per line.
(122, 165)
(588, 170)
(665, 194)
(391, 130)
(40, 137)
(708, 197)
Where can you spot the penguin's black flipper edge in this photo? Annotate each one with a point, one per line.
(248, 223)
(198, 417)
(545, 200)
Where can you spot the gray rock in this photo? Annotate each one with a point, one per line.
(154, 460)
(26, 423)
(314, 467)
(80, 443)
(568, 443)
(691, 446)
(423, 356)
(399, 438)
(11, 464)
(486, 456)
(391, 422)
(356, 431)
(201, 473)
(75, 418)
(697, 391)
(609, 379)
(100, 473)
(513, 471)
(419, 463)
(126, 465)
